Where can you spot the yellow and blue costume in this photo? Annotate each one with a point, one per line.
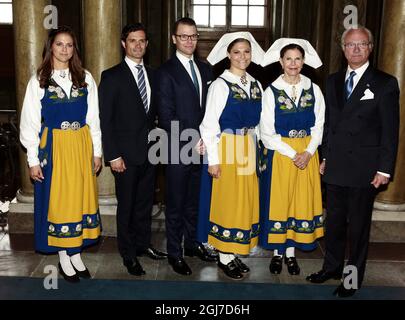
(66, 213)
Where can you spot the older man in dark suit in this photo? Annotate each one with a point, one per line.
(183, 85)
(127, 114)
(359, 150)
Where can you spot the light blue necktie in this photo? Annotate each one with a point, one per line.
(349, 85)
(142, 87)
(194, 75)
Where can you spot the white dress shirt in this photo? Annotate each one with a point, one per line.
(217, 97)
(30, 123)
(270, 138)
(132, 66)
(186, 64)
(359, 73)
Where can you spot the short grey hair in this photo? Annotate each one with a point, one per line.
(359, 27)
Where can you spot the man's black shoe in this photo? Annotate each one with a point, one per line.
(134, 267)
(152, 253)
(180, 266)
(276, 264)
(242, 267)
(200, 252)
(71, 279)
(231, 270)
(342, 292)
(322, 276)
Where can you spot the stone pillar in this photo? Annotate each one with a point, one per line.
(29, 40)
(102, 50)
(392, 61)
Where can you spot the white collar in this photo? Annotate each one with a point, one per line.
(280, 83)
(229, 76)
(359, 71)
(183, 59)
(61, 74)
(132, 64)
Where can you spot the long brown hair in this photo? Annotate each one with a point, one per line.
(77, 72)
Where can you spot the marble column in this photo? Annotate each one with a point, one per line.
(392, 60)
(29, 40)
(102, 50)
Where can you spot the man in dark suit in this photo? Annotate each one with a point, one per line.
(127, 114)
(359, 151)
(183, 86)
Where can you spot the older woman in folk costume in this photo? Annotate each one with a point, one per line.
(60, 129)
(229, 198)
(291, 128)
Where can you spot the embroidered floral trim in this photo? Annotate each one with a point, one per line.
(240, 94)
(234, 235)
(306, 101)
(59, 94)
(300, 226)
(70, 230)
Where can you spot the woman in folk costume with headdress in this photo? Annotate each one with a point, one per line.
(60, 128)
(291, 128)
(229, 198)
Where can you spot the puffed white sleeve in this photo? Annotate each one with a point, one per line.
(317, 129)
(92, 117)
(210, 128)
(30, 122)
(268, 135)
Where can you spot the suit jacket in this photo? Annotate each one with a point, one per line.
(360, 136)
(177, 97)
(124, 123)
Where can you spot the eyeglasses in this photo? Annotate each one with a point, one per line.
(361, 45)
(185, 37)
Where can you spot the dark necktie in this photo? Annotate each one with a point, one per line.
(194, 76)
(349, 85)
(142, 87)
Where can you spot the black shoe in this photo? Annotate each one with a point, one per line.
(200, 252)
(71, 279)
(134, 267)
(242, 267)
(276, 264)
(322, 276)
(292, 266)
(231, 270)
(342, 292)
(180, 266)
(152, 253)
(85, 274)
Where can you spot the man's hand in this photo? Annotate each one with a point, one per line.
(97, 164)
(379, 179)
(322, 167)
(200, 147)
(118, 165)
(215, 171)
(301, 159)
(36, 173)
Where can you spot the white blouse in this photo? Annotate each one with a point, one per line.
(217, 97)
(30, 123)
(270, 138)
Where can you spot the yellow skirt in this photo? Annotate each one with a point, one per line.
(295, 199)
(73, 199)
(234, 211)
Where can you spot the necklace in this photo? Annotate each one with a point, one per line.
(62, 73)
(243, 80)
(294, 94)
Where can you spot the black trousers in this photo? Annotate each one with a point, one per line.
(348, 221)
(182, 196)
(135, 188)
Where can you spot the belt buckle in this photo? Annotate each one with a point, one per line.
(65, 125)
(244, 131)
(302, 133)
(293, 133)
(75, 125)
